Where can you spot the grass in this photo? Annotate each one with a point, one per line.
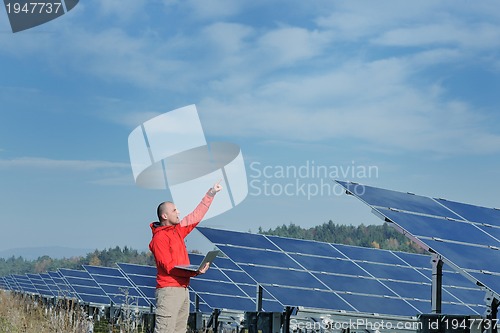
(20, 313)
(24, 314)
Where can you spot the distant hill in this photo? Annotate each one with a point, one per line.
(55, 252)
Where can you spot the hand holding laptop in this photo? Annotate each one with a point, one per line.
(204, 265)
(204, 269)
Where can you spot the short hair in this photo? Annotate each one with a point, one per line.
(162, 209)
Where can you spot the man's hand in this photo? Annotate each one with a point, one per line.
(204, 269)
(217, 186)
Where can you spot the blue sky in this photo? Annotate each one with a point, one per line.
(408, 89)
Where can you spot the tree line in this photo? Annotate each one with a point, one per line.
(107, 257)
(375, 236)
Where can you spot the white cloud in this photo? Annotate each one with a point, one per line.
(288, 82)
(228, 38)
(288, 45)
(208, 9)
(352, 20)
(375, 102)
(46, 163)
(476, 36)
(123, 10)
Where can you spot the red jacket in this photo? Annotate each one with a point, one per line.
(169, 249)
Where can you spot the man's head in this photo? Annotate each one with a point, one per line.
(168, 213)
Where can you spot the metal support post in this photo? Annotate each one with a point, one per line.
(437, 283)
(258, 306)
(286, 319)
(491, 313)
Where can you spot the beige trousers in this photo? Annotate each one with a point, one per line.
(172, 310)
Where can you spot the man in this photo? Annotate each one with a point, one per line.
(169, 250)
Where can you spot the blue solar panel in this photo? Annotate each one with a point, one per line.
(283, 277)
(466, 236)
(368, 254)
(13, 285)
(329, 265)
(468, 257)
(393, 272)
(403, 201)
(50, 283)
(431, 227)
(292, 245)
(85, 288)
(40, 285)
(143, 277)
(224, 286)
(3, 284)
(219, 290)
(249, 240)
(64, 288)
(332, 269)
(258, 257)
(116, 286)
(473, 213)
(414, 260)
(368, 303)
(320, 299)
(25, 284)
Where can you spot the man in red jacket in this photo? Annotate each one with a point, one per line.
(169, 250)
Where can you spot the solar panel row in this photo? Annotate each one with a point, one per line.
(224, 286)
(298, 273)
(466, 236)
(340, 277)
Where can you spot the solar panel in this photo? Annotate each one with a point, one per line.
(223, 286)
(466, 236)
(430, 227)
(3, 284)
(11, 282)
(473, 213)
(143, 278)
(340, 277)
(40, 285)
(50, 283)
(24, 283)
(116, 286)
(226, 286)
(64, 290)
(85, 288)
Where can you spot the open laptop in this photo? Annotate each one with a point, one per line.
(211, 255)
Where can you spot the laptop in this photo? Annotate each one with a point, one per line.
(211, 255)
